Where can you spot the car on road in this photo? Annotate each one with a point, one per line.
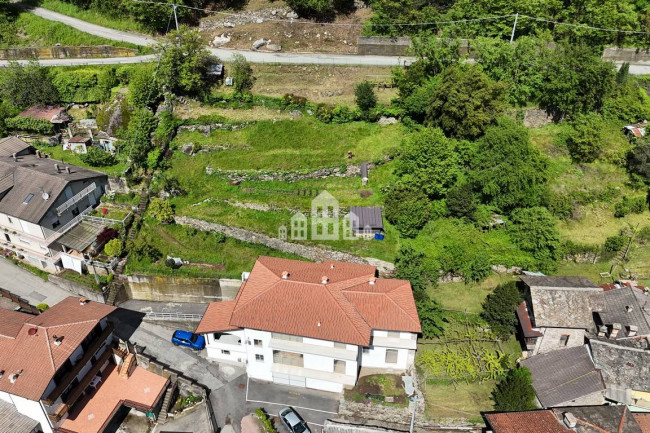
(293, 421)
(188, 339)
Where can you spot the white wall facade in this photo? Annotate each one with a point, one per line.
(558, 338)
(222, 346)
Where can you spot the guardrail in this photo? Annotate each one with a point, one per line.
(173, 316)
(71, 223)
(105, 221)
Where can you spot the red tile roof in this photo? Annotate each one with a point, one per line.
(27, 343)
(345, 309)
(537, 421)
(91, 415)
(49, 113)
(643, 419)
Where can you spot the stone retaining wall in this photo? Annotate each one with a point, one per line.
(316, 254)
(61, 52)
(76, 289)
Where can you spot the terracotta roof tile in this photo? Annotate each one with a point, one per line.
(11, 322)
(537, 421)
(345, 309)
(643, 419)
(36, 354)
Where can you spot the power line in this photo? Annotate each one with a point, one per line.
(396, 24)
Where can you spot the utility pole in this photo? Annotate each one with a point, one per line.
(512, 37)
(176, 18)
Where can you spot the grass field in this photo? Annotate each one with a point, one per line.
(57, 153)
(124, 23)
(34, 31)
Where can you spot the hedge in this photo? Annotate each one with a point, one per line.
(39, 126)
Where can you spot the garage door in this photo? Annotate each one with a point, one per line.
(285, 379)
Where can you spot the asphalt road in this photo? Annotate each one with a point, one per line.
(28, 286)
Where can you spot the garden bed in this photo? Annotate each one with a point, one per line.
(384, 389)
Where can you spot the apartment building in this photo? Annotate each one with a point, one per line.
(42, 200)
(314, 325)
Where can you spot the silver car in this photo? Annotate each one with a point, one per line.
(292, 421)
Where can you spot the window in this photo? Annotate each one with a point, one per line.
(340, 345)
(259, 358)
(366, 350)
(55, 224)
(391, 356)
(564, 340)
(75, 211)
(286, 337)
(257, 342)
(339, 366)
(225, 352)
(393, 334)
(28, 198)
(288, 358)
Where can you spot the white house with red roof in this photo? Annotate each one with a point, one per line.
(314, 325)
(61, 368)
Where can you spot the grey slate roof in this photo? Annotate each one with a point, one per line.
(367, 216)
(616, 311)
(33, 175)
(564, 375)
(12, 421)
(563, 302)
(11, 145)
(623, 363)
(606, 418)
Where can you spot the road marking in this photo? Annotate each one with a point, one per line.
(284, 404)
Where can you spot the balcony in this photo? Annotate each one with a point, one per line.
(65, 406)
(396, 343)
(69, 377)
(310, 373)
(76, 199)
(313, 349)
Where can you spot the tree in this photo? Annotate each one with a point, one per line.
(24, 86)
(242, 74)
(144, 87)
(185, 63)
(364, 95)
(575, 80)
(533, 230)
(507, 170)
(113, 248)
(431, 316)
(638, 161)
(585, 139)
(161, 211)
(138, 136)
(515, 391)
(499, 309)
(431, 160)
(466, 102)
(409, 265)
(407, 208)
(97, 157)
(461, 202)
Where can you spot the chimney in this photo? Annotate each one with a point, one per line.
(15, 376)
(616, 328)
(285, 275)
(331, 266)
(57, 168)
(602, 331)
(67, 170)
(14, 157)
(570, 420)
(83, 301)
(324, 279)
(632, 330)
(371, 281)
(57, 340)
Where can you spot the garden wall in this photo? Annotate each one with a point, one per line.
(60, 52)
(179, 289)
(631, 55)
(76, 289)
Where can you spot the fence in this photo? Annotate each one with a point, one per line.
(173, 317)
(102, 220)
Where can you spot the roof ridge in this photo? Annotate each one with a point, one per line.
(241, 290)
(400, 307)
(356, 329)
(70, 324)
(49, 349)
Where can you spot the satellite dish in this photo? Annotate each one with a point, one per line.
(45, 196)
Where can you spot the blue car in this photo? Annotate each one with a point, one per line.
(188, 339)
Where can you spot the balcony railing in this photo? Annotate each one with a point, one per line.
(69, 377)
(75, 198)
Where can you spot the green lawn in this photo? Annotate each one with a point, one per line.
(291, 145)
(57, 153)
(467, 297)
(34, 31)
(209, 258)
(124, 23)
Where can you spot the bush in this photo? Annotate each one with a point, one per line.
(585, 139)
(638, 161)
(97, 157)
(29, 124)
(42, 307)
(291, 101)
(499, 309)
(614, 244)
(515, 391)
(364, 96)
(82, 85)
(142, 249)
(629, 205)
(461, 202)
(324, 112)
(343, 114)
(407, 208)
(431, 316)
(113, 248)
(106, 235)
(534, 231)
(161, 211)
(242, 74)
(267, 423)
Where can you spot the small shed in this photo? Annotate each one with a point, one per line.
(106, 142)
(366, 220)
(216, 70)
(78, 144)
(636, 130)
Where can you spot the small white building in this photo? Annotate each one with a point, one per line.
(314, 325)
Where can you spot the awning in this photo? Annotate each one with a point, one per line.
(81, 236)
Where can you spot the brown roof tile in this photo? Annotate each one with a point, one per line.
(537, 421)
(643, 419)
(345, 309)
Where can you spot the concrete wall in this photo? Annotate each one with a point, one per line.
(60, 52)
(76, 289)
(384, 45)
(176, 289)
(631, 55)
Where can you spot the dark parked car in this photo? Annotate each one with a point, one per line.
(188, 339)
(293, 421)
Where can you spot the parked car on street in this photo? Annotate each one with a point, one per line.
(293, 421)
(188, 339)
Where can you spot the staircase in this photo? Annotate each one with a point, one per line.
(126, 365)
(113, 290)
(167, 401)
